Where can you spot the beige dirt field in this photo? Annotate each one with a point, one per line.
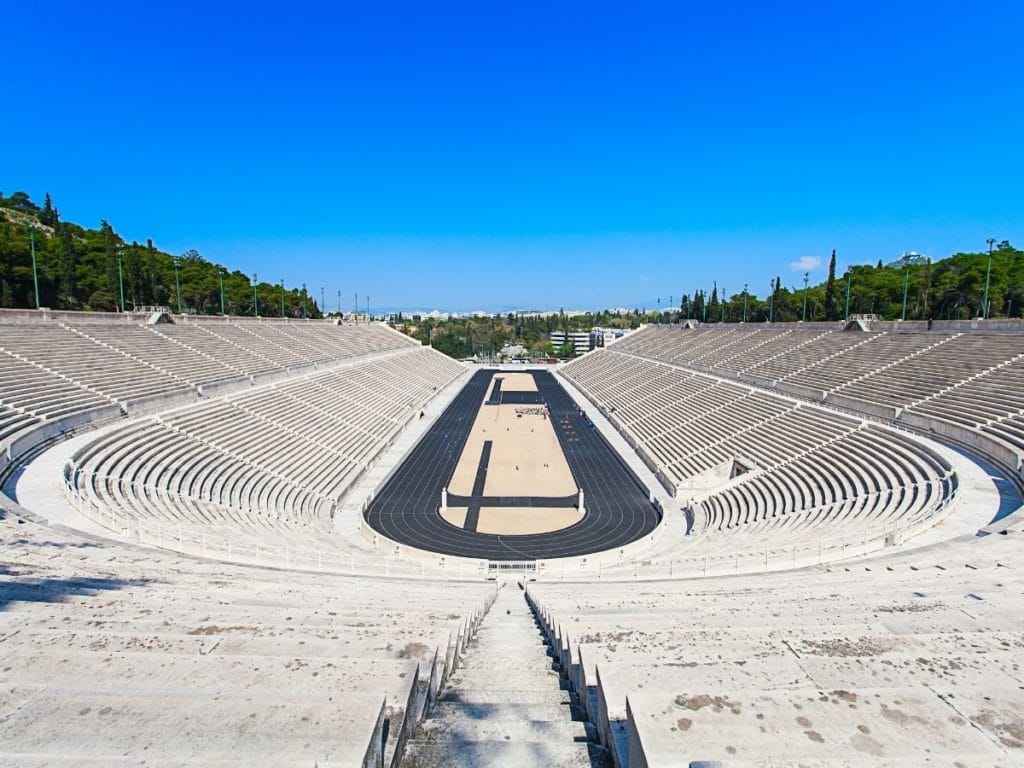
(515, 382)
(516, 521)
(512, 521)
(455, 515)
(526, 459)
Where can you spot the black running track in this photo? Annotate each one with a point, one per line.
(618, 510)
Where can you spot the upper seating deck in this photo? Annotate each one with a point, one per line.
(972, 378)
(50, 370)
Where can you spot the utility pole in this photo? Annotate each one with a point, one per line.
(120, 280)
(177, 282)
(988, 274)
(806, 275)
(849, 278)
(35, 270)
(906, 284)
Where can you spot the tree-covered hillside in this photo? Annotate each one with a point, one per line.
(87, 269)
(91, 269)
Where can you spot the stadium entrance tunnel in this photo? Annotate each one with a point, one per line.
(513, 470)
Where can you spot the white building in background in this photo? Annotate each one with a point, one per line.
(605, 336)
(580, 340)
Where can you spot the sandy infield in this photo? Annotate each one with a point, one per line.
(515, 382)
(526, 459)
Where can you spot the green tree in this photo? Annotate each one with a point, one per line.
(831, 306)
(49, 215)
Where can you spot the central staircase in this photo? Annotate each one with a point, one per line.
(508, 704)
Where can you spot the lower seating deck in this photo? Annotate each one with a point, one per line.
(809, 473)
(259, 472)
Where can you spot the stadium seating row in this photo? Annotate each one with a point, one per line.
(115, 654)
(751, 462)
(48, 370)
(900, 661)
(968, 379)
(260, 466)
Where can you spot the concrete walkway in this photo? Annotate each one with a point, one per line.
(508, 704)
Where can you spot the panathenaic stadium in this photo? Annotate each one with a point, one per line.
(250, 542)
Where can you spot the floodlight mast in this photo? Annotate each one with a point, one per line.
(35, 270)
(988, 274)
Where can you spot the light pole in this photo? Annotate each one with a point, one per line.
(323, 305)
(120, 280)
(305, 309)
(704, 307)
(222, 305)
(771, 301)
(744, 302)
(988, 274)
(177, 282)
(339, 302)
(806, 275)
(723, 303)
(355, 307)
(849, 278)
(35, 270)
(282, 297)
(906, 285)
(255, 298)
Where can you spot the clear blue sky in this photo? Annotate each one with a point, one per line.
(487, 155)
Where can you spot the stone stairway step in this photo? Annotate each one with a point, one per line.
(538, 669)
(459, 694)
(506, 704)
(484, 754)
(483, 710)
(497, 729)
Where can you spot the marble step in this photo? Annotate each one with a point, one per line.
(498, 729)
(498, 695)
(503, 754)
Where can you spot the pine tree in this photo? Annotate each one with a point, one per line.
(49, 215)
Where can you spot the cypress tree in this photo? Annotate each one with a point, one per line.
(830, 289)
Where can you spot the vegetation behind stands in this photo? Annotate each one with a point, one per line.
(78, 269)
